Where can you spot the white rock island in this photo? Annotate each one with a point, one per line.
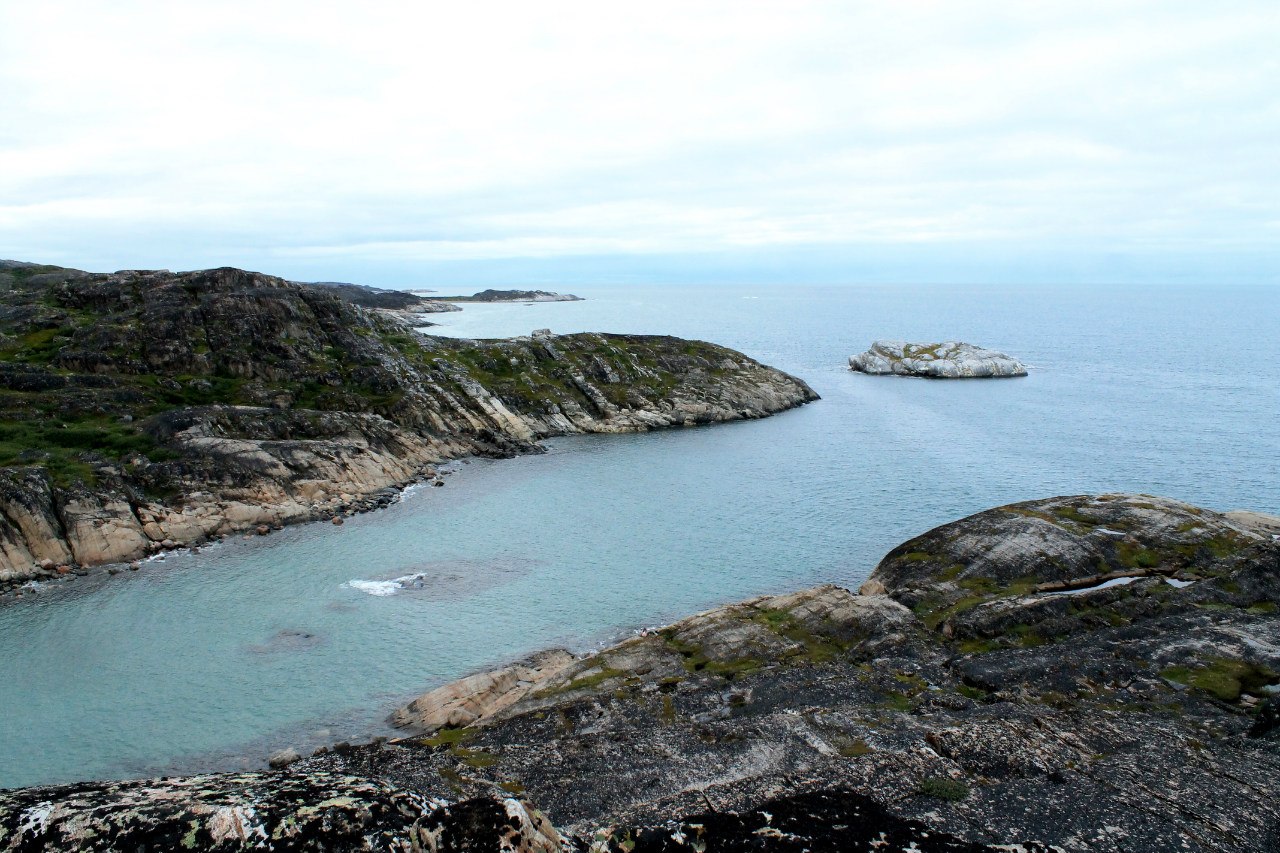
(948, 360)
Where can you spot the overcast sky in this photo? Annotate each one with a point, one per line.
(430, 143)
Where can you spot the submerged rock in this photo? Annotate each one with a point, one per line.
(949, 360)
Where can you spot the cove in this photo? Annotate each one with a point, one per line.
(211, 660)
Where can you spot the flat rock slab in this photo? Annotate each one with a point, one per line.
(947, 360)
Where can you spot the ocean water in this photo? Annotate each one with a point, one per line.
(211, 660)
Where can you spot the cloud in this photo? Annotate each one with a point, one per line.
(288, 135)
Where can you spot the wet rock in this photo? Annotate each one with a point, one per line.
(337, 519)
(283, 758)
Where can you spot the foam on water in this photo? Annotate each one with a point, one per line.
(379, 588)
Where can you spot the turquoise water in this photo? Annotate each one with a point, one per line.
(211, 660)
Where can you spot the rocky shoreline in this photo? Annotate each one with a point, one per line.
(145, 410)
(1094, 672)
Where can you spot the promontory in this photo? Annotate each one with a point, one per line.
(147, 409)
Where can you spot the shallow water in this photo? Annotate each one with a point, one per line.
(210, 660)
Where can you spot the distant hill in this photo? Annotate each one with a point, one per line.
(376, 297)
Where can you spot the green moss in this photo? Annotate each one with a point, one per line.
(1028, 637)
(695, 660)
(449, 737)
(1222, 678)
(978, 646)
(585, 682)
(896, 701)
(917, 556)
(667, 714)
(975, 693)
(1072, 513)
(477, 759)
(814, 648)
(855, 748)
(944, 788)
(1262, 607)
(1134, 556)
(512, 787)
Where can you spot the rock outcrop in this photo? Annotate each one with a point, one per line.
(1081, 673)
(1000, 687)
(949, 360)
(140, 408)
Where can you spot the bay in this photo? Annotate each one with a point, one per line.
(211, 660)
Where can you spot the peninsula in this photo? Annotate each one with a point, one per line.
(142, 410)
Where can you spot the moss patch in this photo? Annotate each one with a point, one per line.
(943, 788)
(1223, 678)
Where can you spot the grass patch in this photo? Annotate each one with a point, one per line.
(977, 646)
(943, 788)
(585, 682)
(1223, 678)
(896, 701)
(815, 648)
(695, 660)
(1261, 607)
(1134, 556)
(448, 737)
(855, 748)
(1073, 514)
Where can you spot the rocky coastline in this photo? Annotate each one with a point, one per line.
(1093, 672)
(147, 410)
(947, 360)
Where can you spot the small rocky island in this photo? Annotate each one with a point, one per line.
(144, 410)
(1084, 673)
(949, 360)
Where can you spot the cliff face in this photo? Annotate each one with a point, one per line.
(989, 690)
(142, 407)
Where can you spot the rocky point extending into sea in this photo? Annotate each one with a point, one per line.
(146, 410)
(1094, 672)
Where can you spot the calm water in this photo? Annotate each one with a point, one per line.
(211, 660)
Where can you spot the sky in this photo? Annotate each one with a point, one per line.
(421, 144)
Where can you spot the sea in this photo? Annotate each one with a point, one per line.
(211, 660)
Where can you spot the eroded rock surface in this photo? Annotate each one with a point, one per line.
(142, 408)
(949, 360)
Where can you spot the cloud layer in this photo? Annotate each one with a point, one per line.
(388, 142)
